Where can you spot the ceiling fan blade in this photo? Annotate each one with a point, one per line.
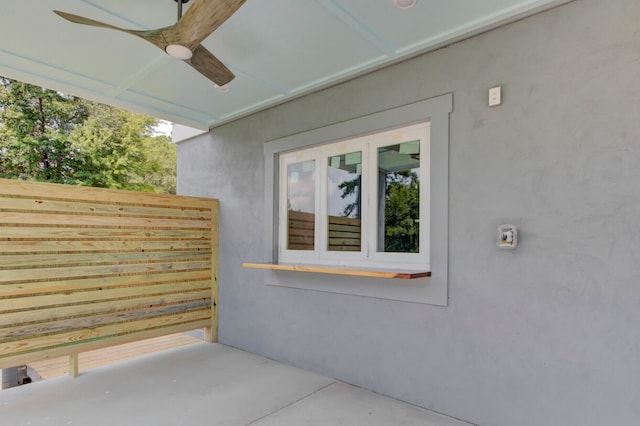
(152, 36)
(200, 20)
(86, 21)
(208, 65)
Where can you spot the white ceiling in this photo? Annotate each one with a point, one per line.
(278, 49)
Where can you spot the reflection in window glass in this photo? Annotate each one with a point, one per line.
(399, 198)
(301, 196)
(344, 204)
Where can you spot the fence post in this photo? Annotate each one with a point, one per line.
(211, 333)
(73, 365)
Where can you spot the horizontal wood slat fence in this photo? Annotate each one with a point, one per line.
(86, 268)
(344, 232)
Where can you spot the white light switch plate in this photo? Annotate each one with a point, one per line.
(495, 96)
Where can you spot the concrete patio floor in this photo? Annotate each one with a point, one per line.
(204, 384)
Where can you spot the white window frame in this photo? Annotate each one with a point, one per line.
(432, 290)
(368, 256)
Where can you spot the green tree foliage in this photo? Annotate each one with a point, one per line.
(402, 212)
(35, 124)
(161, 162)
(349, 188)
(49, 136)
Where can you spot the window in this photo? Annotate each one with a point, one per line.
(433, 178)
(360, 202)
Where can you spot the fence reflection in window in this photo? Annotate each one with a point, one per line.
(344, 204)
(301, 195)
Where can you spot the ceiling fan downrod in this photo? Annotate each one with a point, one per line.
(177, 50)
(180, 3)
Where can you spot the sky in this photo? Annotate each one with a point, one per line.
(164, 128)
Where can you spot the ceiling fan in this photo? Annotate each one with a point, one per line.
(182, 40)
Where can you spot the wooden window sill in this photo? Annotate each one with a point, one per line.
(336, 270)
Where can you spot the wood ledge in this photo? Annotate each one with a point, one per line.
(336, 270)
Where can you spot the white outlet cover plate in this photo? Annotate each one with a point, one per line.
(507, 237)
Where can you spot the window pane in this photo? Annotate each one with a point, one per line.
(344, 192)
(301, 197)
(399, 198)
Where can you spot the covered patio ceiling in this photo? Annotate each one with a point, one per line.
(278, 49)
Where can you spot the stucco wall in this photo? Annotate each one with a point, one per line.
(547, 334)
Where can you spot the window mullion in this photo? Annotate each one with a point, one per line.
(321, 202)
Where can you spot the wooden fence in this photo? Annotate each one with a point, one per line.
(344, 233)
(85, 268)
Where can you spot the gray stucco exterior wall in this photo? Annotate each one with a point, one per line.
(546, 334)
